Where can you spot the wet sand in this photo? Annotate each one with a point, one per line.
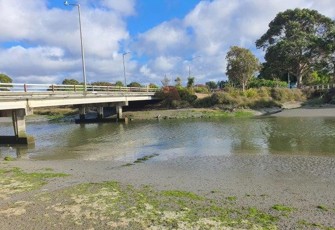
(304, 183)
(325, 111)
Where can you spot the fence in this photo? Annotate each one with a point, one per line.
(20, 87)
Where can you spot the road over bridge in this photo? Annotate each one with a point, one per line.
(19, 100)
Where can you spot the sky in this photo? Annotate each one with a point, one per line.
(40, 39)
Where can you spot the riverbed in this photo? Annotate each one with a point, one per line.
(259, 161)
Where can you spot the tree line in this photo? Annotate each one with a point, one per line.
(299, 47)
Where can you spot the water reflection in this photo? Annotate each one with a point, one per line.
(311, 136)
(174, 138)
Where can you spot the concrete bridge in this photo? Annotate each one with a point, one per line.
(19, 100)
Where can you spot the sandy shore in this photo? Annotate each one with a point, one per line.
(305, 184)
(325, 111)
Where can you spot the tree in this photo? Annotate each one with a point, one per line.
(119, 83)
(102, 83)
(212, 84)
(70, 82)
(222, 84)
(241, 66)
(190, 82)
(134, 84)
(5, 79)
(153, 86)
(178, 82)
(297, 41)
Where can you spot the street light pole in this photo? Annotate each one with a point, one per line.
(124, 69)
(66, 3)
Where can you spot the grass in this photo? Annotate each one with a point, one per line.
(16, 181)
(111, 205)
(181, 194)
(310, 225)
(225, 114)
(55, 113)
(140, 208)
(8, 158)
(282, 208)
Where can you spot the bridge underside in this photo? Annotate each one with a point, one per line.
(19, 104)
(19, 122)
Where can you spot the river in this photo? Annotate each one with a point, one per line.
(169, 139)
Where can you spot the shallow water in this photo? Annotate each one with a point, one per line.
(174, 138)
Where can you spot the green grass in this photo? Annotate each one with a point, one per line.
(15, 180)
(143, 207)
(225, 114)
(182, 194)
(309, 225)
(8, 158)
(282, 208)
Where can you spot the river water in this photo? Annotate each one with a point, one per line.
(170, 139)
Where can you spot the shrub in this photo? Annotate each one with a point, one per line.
(168, 94)
(263, 92)
(201, 89)
(257, 83)
(285, 94)
(329, 97)
(186, 95)
(251, 93)
(264, 103)
(205, 102)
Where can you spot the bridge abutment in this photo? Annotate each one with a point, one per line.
(19, 126)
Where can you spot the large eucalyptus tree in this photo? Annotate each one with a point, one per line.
(297, 41)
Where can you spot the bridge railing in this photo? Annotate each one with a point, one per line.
(320, 87)
(21, 87)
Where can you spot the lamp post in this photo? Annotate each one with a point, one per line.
(66, 3)
(124, 69)
(189, 65)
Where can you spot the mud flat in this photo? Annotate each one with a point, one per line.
(214, 192)
(240, 191)
(307, 111)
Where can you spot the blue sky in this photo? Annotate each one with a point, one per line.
(40, 43)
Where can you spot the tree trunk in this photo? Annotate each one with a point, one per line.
(299, 80)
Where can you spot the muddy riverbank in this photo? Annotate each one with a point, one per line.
(243, 190)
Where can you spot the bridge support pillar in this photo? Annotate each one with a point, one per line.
(119, 111)
(82, 113)
(100, 114)
(19, 125)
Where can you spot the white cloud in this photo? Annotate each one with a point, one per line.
(126, 7)
(49, 38)
(166, 39)
(212, 27)
(42, 44)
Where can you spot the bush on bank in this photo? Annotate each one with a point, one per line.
(230, 98)
(252, 98)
